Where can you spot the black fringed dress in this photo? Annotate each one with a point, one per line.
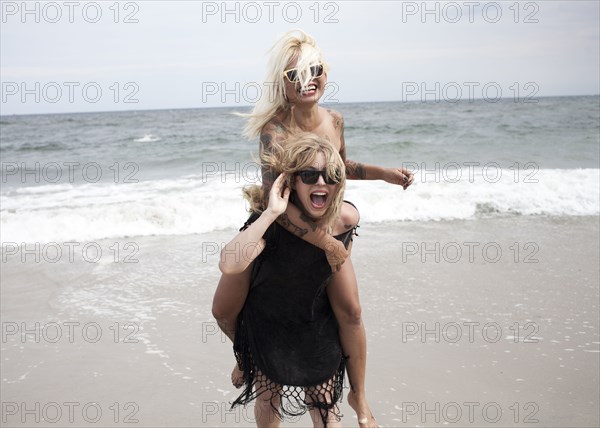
(287, 340)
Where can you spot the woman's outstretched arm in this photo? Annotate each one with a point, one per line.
(360, 171)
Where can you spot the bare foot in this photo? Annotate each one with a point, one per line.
(237, 377)
(363, 412)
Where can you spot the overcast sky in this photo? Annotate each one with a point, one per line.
(189, 54)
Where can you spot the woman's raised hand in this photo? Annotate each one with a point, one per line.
(400, 176)
(278, 196)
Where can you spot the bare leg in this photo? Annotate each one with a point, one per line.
(264, 414)
(343, 295)
(333, 416)
(228, 302)
(317, 420)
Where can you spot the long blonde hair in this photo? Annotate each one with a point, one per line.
(295, 44)
(299, 153)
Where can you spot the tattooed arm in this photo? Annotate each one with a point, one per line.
(293, 219)
(271, 132)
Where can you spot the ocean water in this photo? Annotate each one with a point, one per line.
(178, 172)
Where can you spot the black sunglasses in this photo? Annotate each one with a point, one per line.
(292, 73)
(311, 176)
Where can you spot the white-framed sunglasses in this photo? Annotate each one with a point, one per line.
(293, 76)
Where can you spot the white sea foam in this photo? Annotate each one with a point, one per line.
(195, 205)
(556, 193)
(147, 138)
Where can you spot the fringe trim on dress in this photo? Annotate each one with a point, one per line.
(287, 400)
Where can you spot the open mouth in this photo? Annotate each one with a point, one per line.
(318, 199)
(309, 90)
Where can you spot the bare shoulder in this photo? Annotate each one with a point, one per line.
(336, 117)
(348, 219)
(275, 124)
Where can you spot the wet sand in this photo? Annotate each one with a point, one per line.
(488, 322)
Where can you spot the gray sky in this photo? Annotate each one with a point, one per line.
(192, 54)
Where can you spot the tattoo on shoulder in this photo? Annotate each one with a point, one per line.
(348, 226)
(307, 220)
(266, 141)
(285, 221)
(338, 119)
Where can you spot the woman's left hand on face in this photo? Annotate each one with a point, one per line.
(400, 176)
(279, 195)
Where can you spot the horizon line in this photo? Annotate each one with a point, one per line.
(324, 104)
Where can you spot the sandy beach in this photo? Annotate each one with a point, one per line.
(488, 322)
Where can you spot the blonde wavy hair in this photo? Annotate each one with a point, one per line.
(295, 44)
(300, 153)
